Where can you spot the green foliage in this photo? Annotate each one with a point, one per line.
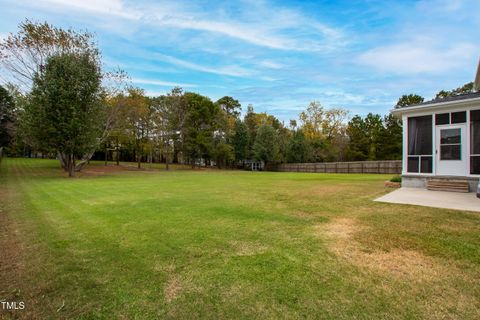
(224, 154)
(466, 88)
(230, 106)
(240, 141)
(64, 110)
(7, 117)
(407, 100)
(298, 148)
(374, 138)
(391, 141)
(25, 53)
(225, 245)
(396, 179)
(199, 127)
(266, 146)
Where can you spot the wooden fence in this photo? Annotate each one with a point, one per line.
(388, 166)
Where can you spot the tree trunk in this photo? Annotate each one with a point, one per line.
(166, 161)
(71, 165)
(118, 153)
(85, 160)
(63, 161)
(139, 159)
(106, 154)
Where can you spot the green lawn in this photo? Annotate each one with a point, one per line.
(228, 244)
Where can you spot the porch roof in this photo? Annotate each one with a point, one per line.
(440, 102)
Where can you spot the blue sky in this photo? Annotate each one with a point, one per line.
(278, 55)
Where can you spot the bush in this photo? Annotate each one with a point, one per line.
(396, 179)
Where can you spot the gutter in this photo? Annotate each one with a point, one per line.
(401, 111)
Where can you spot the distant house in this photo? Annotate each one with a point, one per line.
(441, 140)
(253, 165)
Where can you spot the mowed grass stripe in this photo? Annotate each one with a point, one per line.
(232, 244)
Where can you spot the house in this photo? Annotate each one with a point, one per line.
(253, 165)
(441, 140)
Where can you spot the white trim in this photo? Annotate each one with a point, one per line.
(457, 167)
(465, 105)
(428, 107)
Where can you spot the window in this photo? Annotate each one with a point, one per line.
(426, 164)
(450, 144)
(420, 144)
(459, 117)
(442, 118)
(412, 165)
(456, 117)
(475, 142)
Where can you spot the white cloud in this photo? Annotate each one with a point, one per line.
(108, 7)
(229, 29)
(271, 64)
(233, 70)
(419, 57)
(162, 83)
(448, 6)
(262, 28)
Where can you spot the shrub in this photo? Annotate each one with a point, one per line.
(396, 179)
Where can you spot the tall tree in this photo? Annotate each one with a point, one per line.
(200, 126)
(266, 144)
(466, 88)
(173, 110)
(240, 141)
(224, 154)
(64, 108)
(230, 106)
(298, 148)
(7, 117)
(25, 53)
(138, 117)
(324, 130)
(407, 100)
(365, 137)
(358, 148)
(312, 120)
(230, 110)
(391, 142)
(250, 121)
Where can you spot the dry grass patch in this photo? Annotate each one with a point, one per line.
(175, 282)
(324, 190)
(396, 262)
(451, 225)
(172, 288)
(244, 248)
(101, 170)
(425, 276)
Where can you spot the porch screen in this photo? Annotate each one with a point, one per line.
(475, 142)
(420, 144)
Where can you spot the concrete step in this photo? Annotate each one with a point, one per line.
(448, 185)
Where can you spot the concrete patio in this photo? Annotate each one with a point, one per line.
(436, 199)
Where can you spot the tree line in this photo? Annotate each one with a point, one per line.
(59, 101)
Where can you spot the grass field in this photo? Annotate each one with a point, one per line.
(118, 243)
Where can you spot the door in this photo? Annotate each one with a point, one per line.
(451, 150)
